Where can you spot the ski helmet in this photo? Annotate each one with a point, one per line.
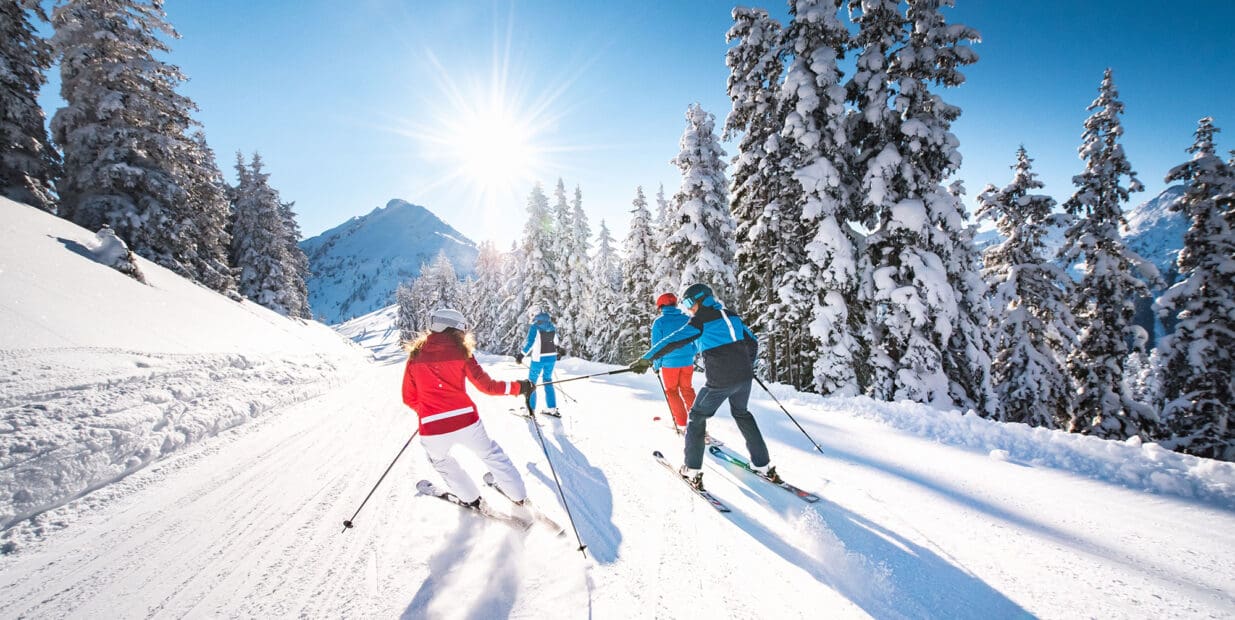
(667, 299)
(442, 318)
(696, 293)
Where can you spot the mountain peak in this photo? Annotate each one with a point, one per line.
(357, 265)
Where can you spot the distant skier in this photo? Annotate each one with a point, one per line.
(729, 351)
(541, 347)
(439, 363)
(676, 367)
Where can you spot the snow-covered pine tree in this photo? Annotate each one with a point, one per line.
(207, 214)
(871, 131)
(1032, 321)
(486, 304)
(701, 243)
(406, 319)
(259, 248)
(637, 308)
(123, 127)
(1199, 356)
(562, 304)
(436, 287)
(515, 295)
(756, 63)
(819, 286)
(920, 286)
(1102, 301)
(537, 273)
(579, 279)
(666, 277)
(607, 281)
(297, 264)
(28, 162)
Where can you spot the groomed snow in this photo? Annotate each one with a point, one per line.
(924, 513)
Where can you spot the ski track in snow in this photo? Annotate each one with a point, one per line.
(248, 524)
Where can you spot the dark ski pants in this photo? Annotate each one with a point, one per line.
(707, 402)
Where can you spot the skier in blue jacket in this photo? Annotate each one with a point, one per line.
(729, 352)
(676, 368)
(541, 349)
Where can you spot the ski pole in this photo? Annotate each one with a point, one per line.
(666, 394)
(527, 401)
(348, 523)
(782, 408)
(599, 374)
(559, 390)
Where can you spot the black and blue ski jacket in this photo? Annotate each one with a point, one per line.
(729, 349)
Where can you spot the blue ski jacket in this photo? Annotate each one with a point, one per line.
(729, 349)
(670, 320)
(541, 336)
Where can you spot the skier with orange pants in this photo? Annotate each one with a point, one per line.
(677, 367)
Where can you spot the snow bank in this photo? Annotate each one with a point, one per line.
(1147, 467)
(101, 375)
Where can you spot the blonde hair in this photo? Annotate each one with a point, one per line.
(465, 340)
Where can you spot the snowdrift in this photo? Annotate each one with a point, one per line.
(100, 375)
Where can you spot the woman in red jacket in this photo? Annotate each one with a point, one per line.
(439, 361)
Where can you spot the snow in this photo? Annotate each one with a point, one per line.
(924, 512)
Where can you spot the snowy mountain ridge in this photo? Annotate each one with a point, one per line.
(357, 265)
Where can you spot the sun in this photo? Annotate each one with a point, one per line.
(491, 147)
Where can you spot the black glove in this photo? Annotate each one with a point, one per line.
(518, 358)
(640, 365)
(561, 353)
(525, 387)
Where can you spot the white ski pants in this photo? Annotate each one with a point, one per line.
(473, 438)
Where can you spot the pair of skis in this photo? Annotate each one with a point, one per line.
(426, 487)
(718, 451)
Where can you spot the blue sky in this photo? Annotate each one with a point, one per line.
(352, 104)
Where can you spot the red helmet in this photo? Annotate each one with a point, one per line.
(666, 299)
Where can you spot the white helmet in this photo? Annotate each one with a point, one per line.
(442, 318)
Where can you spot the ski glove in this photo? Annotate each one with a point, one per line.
(561, 352)
(525, 387)
(518, 358)
(640, 365)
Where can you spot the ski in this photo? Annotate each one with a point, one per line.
(704, 494)
(544, 519)
(427, 488)
(525, 415)
(729, 457)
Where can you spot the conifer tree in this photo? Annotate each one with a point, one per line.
(637, 307)
(1199, 356)
(487, 305)
(755, 66)
(259, 248)
(607, 274)
(124, 126)
(28, 162)
(406, 319)
(206, 219)
(920, 285)
(297, 271)
(1034, 326)
(578, 279)
(666, 277)
(563, 306)
(1103, 299)
(701, 244)
(819, 285)
(537, 275)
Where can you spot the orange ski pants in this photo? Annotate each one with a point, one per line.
(679, 391)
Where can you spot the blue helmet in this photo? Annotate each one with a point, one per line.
(696, 293)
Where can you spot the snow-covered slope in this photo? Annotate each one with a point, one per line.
(101, 375)
(357, 265)
(923, 513)
(1157, 233)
